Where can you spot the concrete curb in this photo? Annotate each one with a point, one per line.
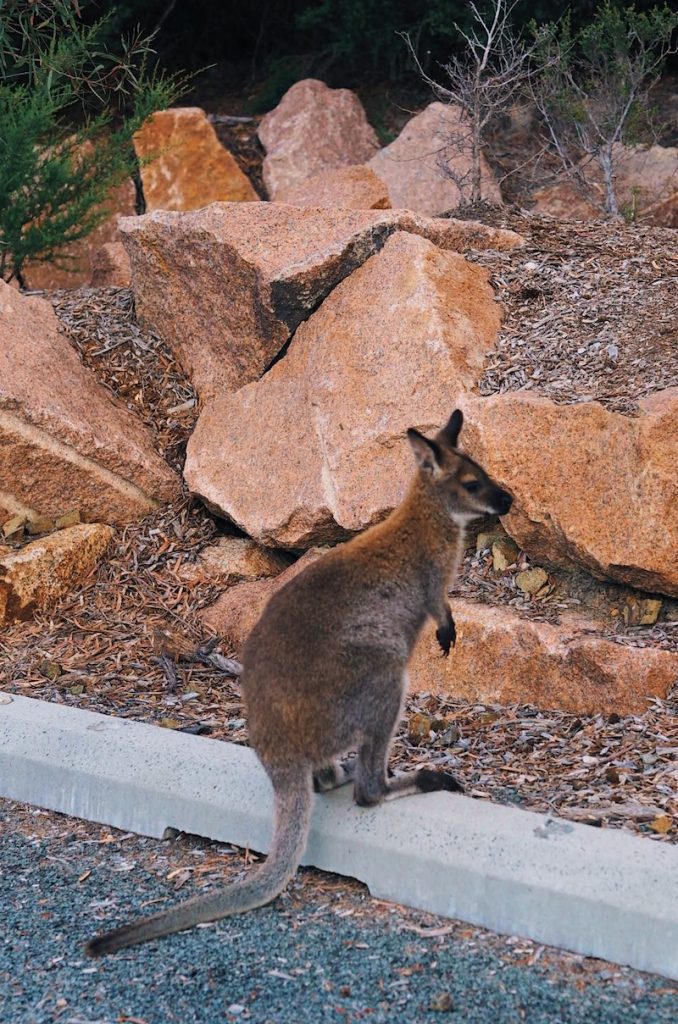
(598, 892)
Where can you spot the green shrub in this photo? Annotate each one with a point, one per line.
(69, 107)
(593, 89)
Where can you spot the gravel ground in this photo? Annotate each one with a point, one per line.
(325, 951)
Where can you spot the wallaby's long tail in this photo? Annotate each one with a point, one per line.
(293, 804)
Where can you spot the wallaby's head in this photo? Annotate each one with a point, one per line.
(460, 484)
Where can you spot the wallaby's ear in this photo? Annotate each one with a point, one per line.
(427, 453)
(451, 429)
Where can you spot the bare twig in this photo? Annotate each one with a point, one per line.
(481, 84)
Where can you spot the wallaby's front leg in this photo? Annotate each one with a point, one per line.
(446, 633)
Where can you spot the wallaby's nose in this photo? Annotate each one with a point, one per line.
(503, 502)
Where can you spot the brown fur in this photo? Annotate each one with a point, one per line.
(325, 667)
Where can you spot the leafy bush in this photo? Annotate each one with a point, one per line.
(593, 91)
(69, 107)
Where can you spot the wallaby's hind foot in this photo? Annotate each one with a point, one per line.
(332, 776)
(425, 780)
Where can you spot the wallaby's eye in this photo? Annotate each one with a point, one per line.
(472, 486)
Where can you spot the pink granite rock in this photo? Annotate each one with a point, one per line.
(64, 442)
(413, 165)
(313, 129)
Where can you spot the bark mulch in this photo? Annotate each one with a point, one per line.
(591, 312)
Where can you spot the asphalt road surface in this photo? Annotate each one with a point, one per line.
(325, 951)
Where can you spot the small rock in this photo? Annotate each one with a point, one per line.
(71, 518)
(42, 572)
(448, 735)
(504, 553)
(442, 1002)
(240, 560)
(486, 538)
(419, 728)
(49, 669)
(650, 609)
(14, 527)
(531, 581)
(641, 611)
(40, 524)
(169, 723)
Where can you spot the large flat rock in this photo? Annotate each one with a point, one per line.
(503, 657)
(313, 129)
(592, 488)
(317, 447)
(64, 442)
(427, 168)
(183, 165)
(226, 286)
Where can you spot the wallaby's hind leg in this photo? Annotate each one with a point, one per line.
(372, 784)
(331, 776)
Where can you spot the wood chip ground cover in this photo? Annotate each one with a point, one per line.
(591, 312)
(120, 644)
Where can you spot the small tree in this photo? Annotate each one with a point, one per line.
(593, 88)
(68, 110)
(483, 81)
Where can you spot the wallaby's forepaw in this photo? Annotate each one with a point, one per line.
(447, 636)
(430, 781)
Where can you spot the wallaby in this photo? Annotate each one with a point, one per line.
(324, 669)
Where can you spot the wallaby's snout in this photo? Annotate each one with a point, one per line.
(502, 502)
(462, 486)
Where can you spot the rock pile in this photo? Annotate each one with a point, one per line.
(316, 328)
(389, 348)
(226, 286)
